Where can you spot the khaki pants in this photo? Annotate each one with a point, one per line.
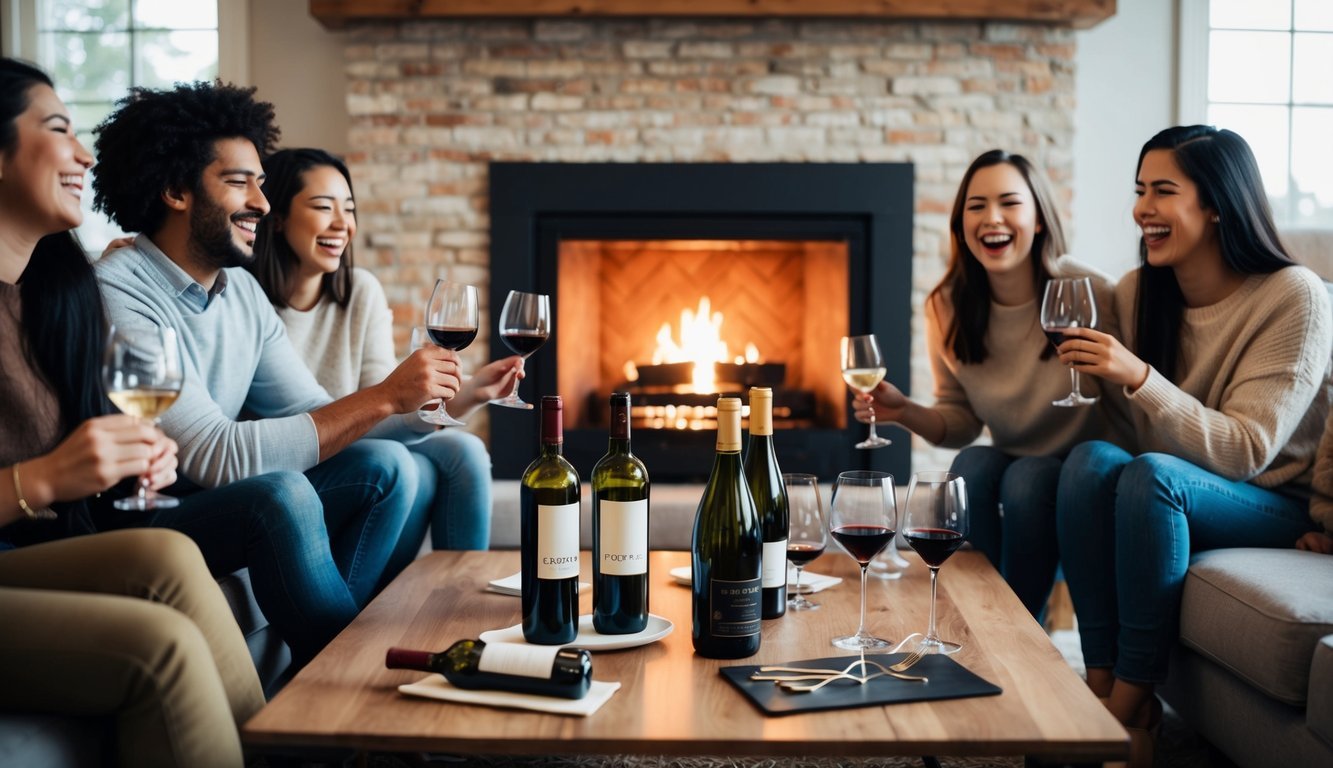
(131, 625)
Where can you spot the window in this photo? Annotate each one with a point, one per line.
(1263, 71)
(95, 50)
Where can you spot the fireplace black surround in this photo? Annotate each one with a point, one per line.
(534, 206)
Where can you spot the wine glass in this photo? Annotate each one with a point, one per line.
(863, 370)
(1069, 303)
(525, 324)
(807, 535)
(142, 375)
(935, 524)
(451, 322)
(862, 519)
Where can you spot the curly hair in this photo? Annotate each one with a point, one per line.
(159, 140)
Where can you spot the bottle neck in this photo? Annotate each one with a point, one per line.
(553, 449)
(618, 441)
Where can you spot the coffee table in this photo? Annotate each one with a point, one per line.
(675, 703)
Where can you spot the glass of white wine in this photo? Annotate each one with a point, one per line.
(142, 375)
(863, 369)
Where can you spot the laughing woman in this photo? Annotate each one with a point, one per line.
(1225, 363)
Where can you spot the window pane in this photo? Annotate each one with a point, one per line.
(1264, 128)
(176, 14)
(1249, 66)
(96, 230)
(1312, 69)
(86, 116)
(1312, 167)
(164, 58)
(88, 66)
(1247, 14)
(1314, 14)
(84, 15)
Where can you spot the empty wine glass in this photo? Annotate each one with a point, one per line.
(525, 324)
(807, 534)
(451, 322)
(142, 375)
(1069, 303)
(863, 369)
(862, 519)
(935, 525)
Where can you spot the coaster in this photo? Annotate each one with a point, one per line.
(948, 680)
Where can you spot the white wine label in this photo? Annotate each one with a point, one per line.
(557, 541)
(775, 564)
(516, 659)
(624, 538)
(733, 607)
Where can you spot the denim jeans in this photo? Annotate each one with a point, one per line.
(1128, 525)
(1011, 504)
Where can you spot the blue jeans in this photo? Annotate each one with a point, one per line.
(1128, 525)
(1011, 504)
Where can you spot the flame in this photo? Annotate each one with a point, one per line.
(700, 343)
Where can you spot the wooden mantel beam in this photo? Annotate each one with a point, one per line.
(1080, 14)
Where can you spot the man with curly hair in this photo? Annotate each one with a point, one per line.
(182, 168)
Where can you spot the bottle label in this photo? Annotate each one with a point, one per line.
(516, 659)
(557, 541)
(733, 607)
(775, 564)
(624, 537)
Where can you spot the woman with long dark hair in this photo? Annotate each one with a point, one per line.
(1225, 363)
(994, 368)
(155, 646)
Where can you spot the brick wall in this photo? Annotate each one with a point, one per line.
(431, 103)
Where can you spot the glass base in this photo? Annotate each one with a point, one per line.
(874, 441)
(799, 603)
(150, 500)
(513, 401)
(859, 642)
(1074, 401)
(438, 416)
(934, 645)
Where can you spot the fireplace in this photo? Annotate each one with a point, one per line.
(677, 282)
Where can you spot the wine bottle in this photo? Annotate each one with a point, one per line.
(474, 665)
(770, 500)
(727, 551)
(549, 540)
(619, 532)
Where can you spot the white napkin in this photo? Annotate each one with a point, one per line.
(810, 582)
(513, 585)
(436, 687)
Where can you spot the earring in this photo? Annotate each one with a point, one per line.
(1217, 219)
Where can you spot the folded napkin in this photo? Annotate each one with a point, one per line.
(513, 585)
(436, 687)
(810, 582)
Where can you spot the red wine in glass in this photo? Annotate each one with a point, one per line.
(862, 519)
(801, 553)
(523, 342)
(934, 545)
(1055, 335)
(451, 338)
(935, 524)
(863, 542)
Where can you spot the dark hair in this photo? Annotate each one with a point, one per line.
(275, 264)
(163, 140)
(966, 283)
(1223, 168)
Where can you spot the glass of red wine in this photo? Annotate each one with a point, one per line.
(451, 322)
(935, 525)
(525, 324)
(1068, 303)
(807, 534)
(862, 519)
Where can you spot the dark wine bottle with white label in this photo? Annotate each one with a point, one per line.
(474, 665)
(727, 549)
(619, 532)
(770, 500)
(549, 537)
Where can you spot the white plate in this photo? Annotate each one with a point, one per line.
(436, 687)
(810, 582)
(588, 637)
(513, 585)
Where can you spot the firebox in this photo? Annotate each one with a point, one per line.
(682, 282)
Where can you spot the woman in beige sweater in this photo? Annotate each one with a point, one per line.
(1225, 363)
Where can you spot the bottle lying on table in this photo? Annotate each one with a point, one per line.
(475, 665)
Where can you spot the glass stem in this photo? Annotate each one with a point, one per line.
(873, 434)
(930, 630)
(1073, 382)
(861, 629)
(798, 581)
(143, 487)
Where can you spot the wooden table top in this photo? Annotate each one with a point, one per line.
(672, 702)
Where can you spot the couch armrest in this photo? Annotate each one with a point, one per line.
(1319, 709)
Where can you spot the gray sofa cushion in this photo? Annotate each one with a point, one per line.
(1260, 613)
(1319, 715)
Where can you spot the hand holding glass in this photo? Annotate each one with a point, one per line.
(863, 370)
(935, 524)
(1069, 303)
(525, 324)
(862, 519)
(807, 535)
(451, 322)
(142, 376)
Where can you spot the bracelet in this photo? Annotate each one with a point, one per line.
(45, 513)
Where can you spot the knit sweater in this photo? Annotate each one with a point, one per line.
(30, 420)
(1011, 391)
(347, 348)
(1252, 387)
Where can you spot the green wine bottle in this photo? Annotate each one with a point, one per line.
(619, 532)
(770, 500)
(727, 551)
(549, 540)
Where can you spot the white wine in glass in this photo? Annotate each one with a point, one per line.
(863, 369)
(142, 375)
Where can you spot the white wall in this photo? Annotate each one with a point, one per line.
(1126, 75)
(298, 65)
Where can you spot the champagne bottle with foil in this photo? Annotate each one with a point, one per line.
(728, 550)
(620, 532)
(549, 541)
(474, 665)
(770, 500)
